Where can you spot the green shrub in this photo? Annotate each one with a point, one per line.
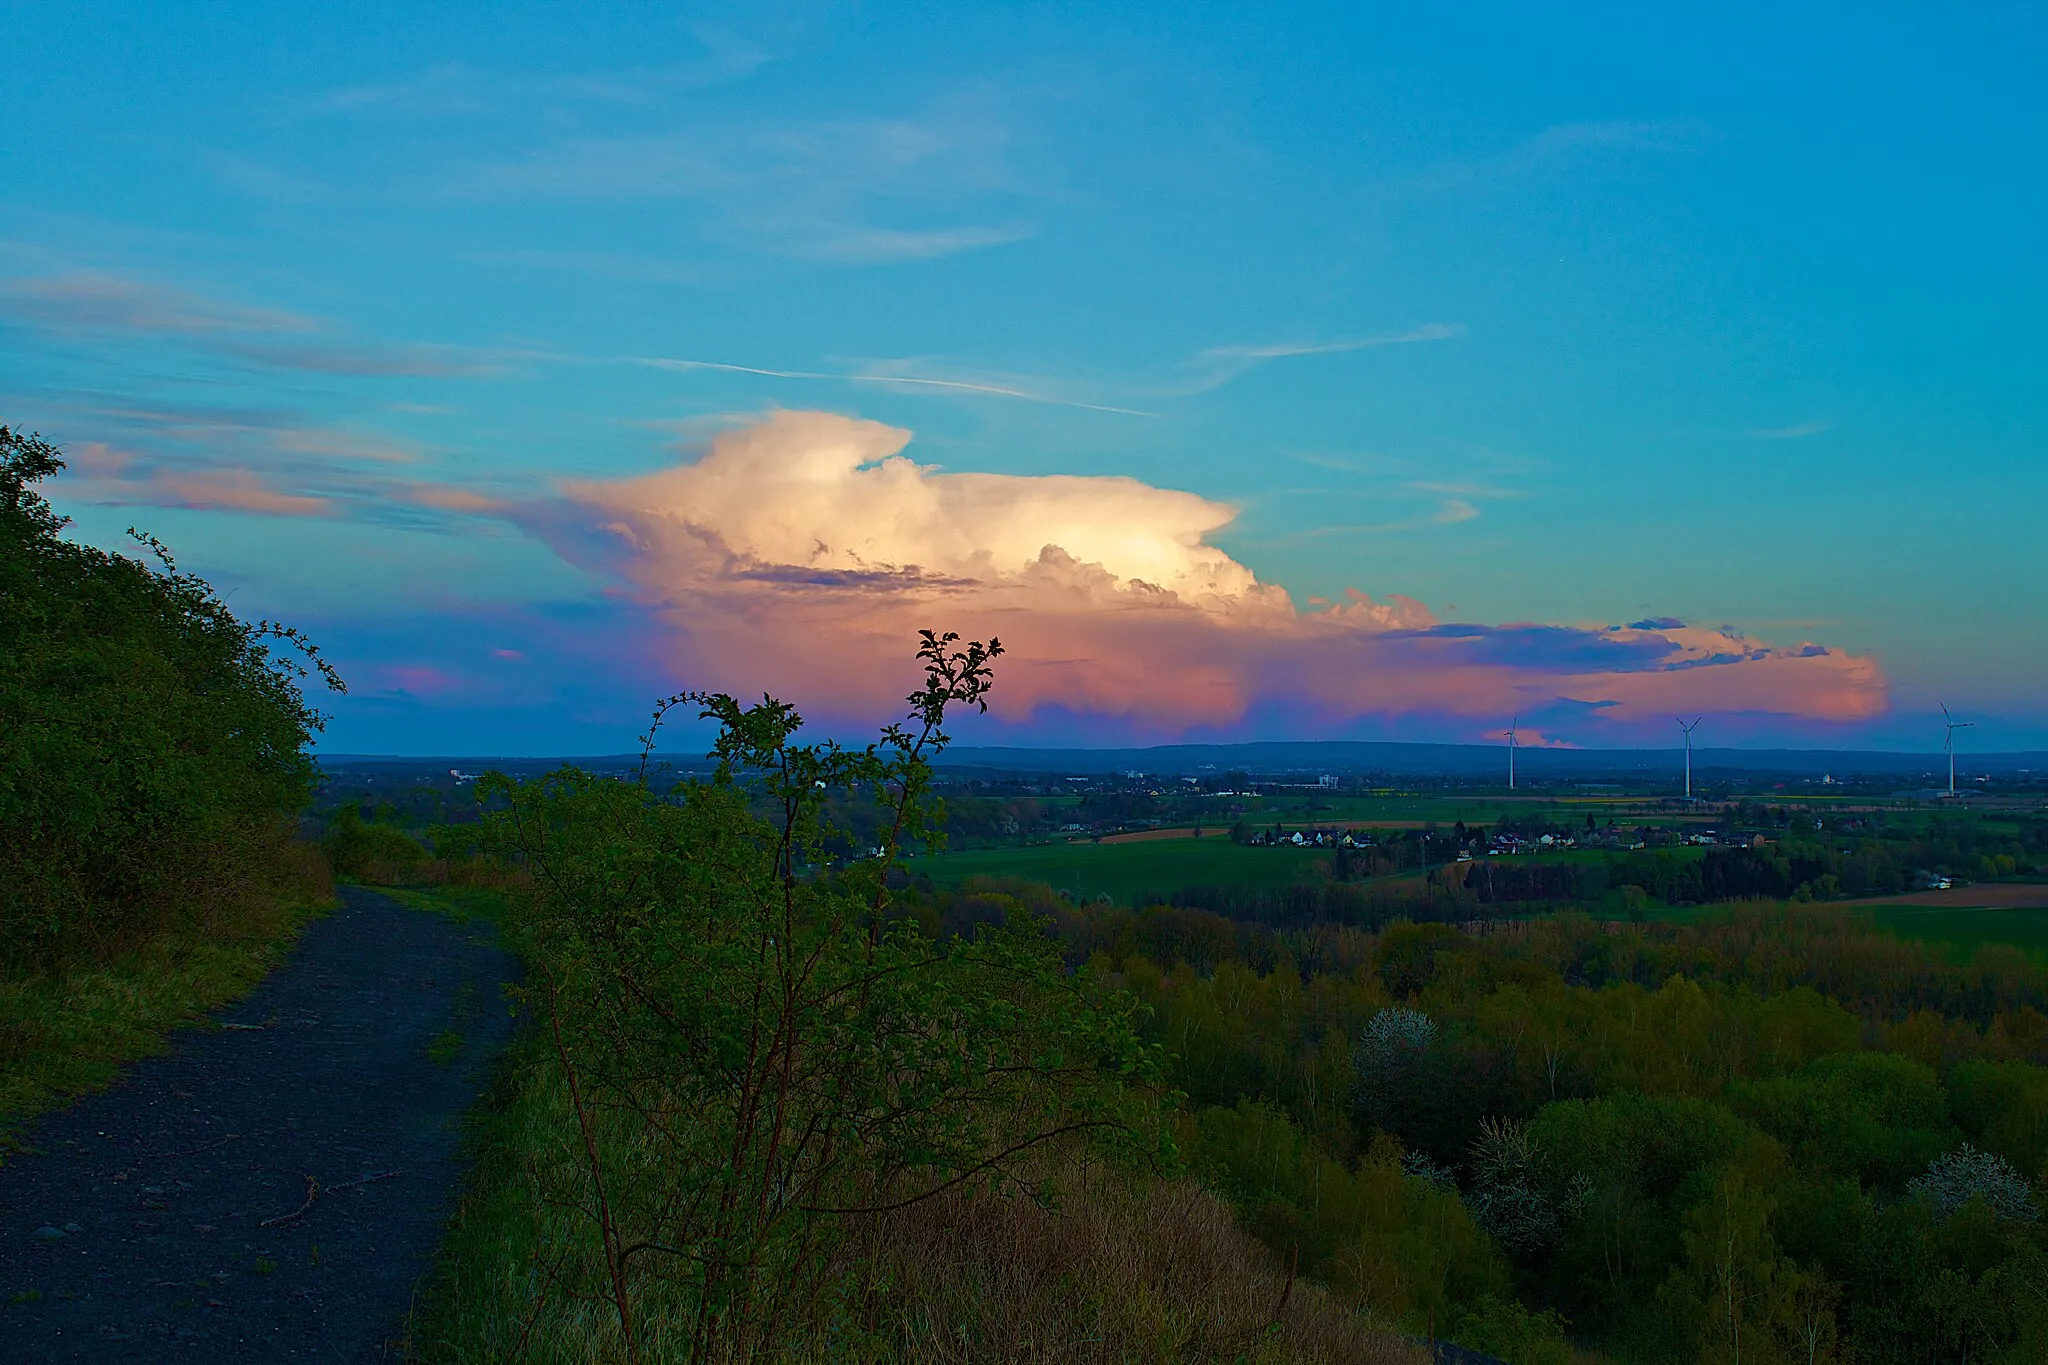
(756, 1055)
(153, 747)
(371, 850)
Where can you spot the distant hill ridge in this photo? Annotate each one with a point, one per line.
(1338, 758)
(1359, 756)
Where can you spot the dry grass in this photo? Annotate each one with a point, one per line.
(1114, 1273)
(1120, 1270)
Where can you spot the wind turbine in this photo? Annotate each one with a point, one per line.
(1688, 750)
(1511, 751)
(1948, 742)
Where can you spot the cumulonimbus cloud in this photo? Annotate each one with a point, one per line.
(799, 555)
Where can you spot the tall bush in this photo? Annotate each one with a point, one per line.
(153, 746)
(758, 1053)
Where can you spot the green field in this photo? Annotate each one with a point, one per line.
(1129, 872)
(1961, 930)
(1964, 931)
(1125, 872)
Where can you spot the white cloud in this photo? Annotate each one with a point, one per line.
(801, 553)
(817, 491)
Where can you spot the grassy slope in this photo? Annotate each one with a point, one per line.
(68, 1032)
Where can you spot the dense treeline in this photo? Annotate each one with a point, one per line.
(153, 747)
(1773, 1136)
(1809, 860)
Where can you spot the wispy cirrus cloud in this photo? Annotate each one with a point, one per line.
(638, 267)
(91, 300)
(458, 89)
(1448, 512)
(1223, 364)
(1643, 135)
(895, 373)
(104, 304)
(1798, 431)
(273, 435)
(882, 244)
(1564, 145)
(1464, 489)
(1218, 365)
(867, 189)
(1453, 502)
(443, 90)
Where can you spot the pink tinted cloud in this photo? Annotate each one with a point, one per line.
(421, 680)
(800, 555)
(319, 474)
(122, 476)
(235, 491)
(445, 498)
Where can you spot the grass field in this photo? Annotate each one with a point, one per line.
(1127, 870)
(1964, 930)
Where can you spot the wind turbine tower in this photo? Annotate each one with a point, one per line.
(1948, 742)
(1511, 751)
(1688, 750)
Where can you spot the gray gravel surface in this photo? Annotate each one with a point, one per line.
(169, 1218)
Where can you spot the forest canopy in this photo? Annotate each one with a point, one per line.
(1776, 1134)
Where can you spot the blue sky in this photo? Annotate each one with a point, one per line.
(1573, 319)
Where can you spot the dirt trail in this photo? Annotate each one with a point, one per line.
(273, 1190)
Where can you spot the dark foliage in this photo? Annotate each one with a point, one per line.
(152, 745)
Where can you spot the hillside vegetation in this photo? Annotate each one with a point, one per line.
(153, 759)
(997, 1119)
(764, 1113)
(1774, 1134)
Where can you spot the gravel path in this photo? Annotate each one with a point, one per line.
(273, 1190)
